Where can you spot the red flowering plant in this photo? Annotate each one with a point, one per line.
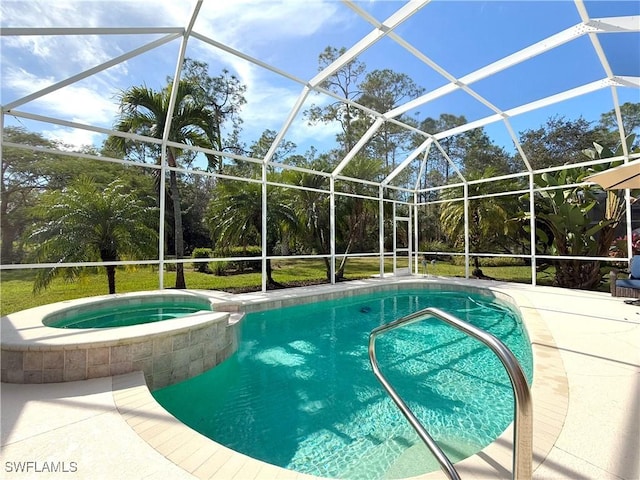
(618, 248)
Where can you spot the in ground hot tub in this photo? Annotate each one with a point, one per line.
(126, 311)
(100, 336)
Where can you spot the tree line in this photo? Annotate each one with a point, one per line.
(59, 208)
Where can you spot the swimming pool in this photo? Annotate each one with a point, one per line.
(300, 393)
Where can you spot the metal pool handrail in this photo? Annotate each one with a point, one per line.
(523, 418)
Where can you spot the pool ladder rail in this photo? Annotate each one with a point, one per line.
(523, 417)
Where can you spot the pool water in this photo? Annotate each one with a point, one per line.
(127, 314)
(300, 393)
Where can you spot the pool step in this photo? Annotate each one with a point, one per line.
(417, 459)
(378, 458)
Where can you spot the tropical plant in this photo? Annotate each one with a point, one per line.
(234, 218)
(490, 219)
(568, 215)
(87, 222)
(201, 267)
(25, 173)
(21, 177)
(615, 205)
(146, 111)
(312, 208)
(224, 97)
(620, 246)
(356, 218)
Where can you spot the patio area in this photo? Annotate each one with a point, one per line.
(194, 144)
(585, 426)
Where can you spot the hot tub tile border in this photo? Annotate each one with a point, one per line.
(164, 357)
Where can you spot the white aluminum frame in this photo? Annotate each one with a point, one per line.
(590, 27)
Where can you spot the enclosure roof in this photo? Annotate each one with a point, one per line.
(505, 66)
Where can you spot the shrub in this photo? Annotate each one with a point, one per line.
(237, 266)
(618, 248)
(491, 261)
(438, 246)
(220, 268)
(202, 267)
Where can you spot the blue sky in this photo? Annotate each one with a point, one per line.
(460, 36)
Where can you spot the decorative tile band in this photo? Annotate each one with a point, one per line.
(164, 359)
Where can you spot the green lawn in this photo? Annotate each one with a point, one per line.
(16, 286)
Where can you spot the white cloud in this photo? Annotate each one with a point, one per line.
(62, 57)
(249, 26)
(268, 107)
(77, 102)
(255, 22)
(94, 13)
(82, 104)
(305, 135)
(73, 138)
(70, 53)
(253, 31)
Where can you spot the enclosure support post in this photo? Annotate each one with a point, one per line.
(627, 200)
(532, 226)
(162, 195)
(264, 227)
(466, 230)
(395, 233)
(416, 245)
(332, 227)
(381, 228)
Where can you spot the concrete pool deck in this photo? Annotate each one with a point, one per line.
(586, 424)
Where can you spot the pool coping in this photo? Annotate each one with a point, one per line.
(205, 458)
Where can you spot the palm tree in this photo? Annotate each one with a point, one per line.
(145, 111)
(490, 218)
(88, 222)
(235, 217)
(356, 218)
(312, 208)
